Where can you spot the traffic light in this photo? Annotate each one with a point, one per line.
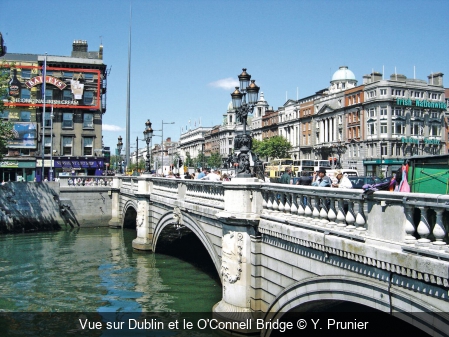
(2, 46)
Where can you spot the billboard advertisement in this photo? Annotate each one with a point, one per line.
(25, 136)
(64, 87)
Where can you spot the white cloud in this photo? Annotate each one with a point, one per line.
(108, 127)
(225, 83)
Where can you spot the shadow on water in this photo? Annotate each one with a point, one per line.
(187, 247)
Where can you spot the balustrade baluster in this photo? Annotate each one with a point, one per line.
(360, 217)
(275, 201)
(316, 211)
(269, 200)
(281, 206)
(323, 212)
(288, 203)
(331, 214)
(350, 219)
(409, 225)
(294, 204)
(341, 217)
(438, 230)
(308, 207)
(301, 205)
(423, 226)
(264, 200)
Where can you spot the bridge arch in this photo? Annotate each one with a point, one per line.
(370, 293)
(129, 214)
(167, 219)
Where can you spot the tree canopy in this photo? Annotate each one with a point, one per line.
(274, 147)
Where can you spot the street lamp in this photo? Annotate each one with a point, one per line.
(242, 109)
(119, 148)
(339, 148)
(147, 135)
(162, 147)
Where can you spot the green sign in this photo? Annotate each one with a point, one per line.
(410, 140)
(421, 103)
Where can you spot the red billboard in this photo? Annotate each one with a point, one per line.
(70, 88)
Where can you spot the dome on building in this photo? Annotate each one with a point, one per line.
(343, 74)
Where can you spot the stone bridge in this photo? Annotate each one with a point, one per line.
(282, 248)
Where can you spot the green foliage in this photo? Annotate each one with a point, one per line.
(6, 128)
(274, 147)
(214, 160)
(189, 162)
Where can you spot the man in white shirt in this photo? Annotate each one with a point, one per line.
(212, 176)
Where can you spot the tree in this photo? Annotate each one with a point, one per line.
(6, 128)
(189, 161)
(274, 147)
(214, 160)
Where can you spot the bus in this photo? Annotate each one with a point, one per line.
(322, 163)
(303, 167)
(277, 167)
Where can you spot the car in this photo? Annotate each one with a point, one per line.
(358, 182)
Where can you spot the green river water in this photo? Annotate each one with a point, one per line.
(94, 272)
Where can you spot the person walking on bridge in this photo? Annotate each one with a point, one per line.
(285, 179)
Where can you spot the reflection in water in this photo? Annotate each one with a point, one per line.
(96, 270)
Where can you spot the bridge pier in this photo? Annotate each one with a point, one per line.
(240, 220)
(144, 218)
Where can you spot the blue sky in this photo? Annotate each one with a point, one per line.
(186, 55)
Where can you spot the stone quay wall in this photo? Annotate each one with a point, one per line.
(30, 206)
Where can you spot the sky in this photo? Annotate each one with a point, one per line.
(186, 54)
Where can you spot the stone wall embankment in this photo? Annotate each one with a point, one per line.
(29, 206)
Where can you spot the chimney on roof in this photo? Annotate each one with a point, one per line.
(79, 48)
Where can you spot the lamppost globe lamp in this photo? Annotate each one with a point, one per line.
(242, 161)
(148, 134)
(119, 148)
(244, 79)
(236, 98)
(253, 92)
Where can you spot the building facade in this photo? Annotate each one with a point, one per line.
(56, 105)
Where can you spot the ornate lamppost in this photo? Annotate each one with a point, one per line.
(242, 108)
(339, 148)
(147, 135)
(119, 148)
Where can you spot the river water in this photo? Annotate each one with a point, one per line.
(95, 271)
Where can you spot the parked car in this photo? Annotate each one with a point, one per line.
(358, 182)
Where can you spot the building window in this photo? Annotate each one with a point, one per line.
(26, 73)
(88, 98)
(383, 128)
(372, 129)
(383, 92)
(67, 120)
(67, 95)
(383, 149)
(434, 130)
(48, 94)
(88, 120)
(67, 145)
(25, 116)
(88, 146)
(25, 93)
(372, 112)
(415, 129)
(397, 111)
(89, 77)
(47, 144)
(47, 119)
(397, 128)
(383, 112)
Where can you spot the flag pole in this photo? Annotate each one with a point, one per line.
(44, 76)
